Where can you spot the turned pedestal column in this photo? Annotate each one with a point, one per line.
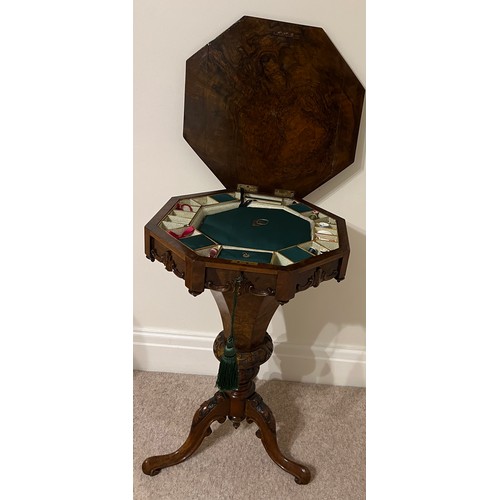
(254, 346)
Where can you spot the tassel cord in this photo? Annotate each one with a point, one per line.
(233, 312)
(227, 378)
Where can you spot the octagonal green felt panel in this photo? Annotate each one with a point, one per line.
(259, 228)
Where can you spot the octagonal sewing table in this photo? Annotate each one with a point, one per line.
(273, 110)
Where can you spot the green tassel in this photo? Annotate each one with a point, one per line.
(227, 378)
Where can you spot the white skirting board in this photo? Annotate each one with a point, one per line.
(185, 353)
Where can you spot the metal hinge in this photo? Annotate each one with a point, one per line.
(281, 193)
(284, 193)
(248, 188)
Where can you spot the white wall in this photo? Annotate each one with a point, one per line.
(329, 319)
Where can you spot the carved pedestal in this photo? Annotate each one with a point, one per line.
(255, 346)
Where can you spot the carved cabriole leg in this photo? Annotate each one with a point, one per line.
(216, 408)
(257, 411)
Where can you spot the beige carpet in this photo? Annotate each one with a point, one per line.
(320, 426)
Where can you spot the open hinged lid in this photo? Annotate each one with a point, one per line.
(273, 105)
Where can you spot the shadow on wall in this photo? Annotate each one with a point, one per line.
(325, 310)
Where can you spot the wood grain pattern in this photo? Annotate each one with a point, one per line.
(272, 104)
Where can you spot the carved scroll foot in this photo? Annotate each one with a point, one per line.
(216, 408)
(257, 411)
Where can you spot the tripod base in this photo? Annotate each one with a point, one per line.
(254, 347)
(237, 408)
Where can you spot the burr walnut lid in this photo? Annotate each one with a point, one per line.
(273, 105)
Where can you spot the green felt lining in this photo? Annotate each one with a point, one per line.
(230, 254)
(239, 228)
(295, 254)
(300, 207)
(198, 241)
(222, 197)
